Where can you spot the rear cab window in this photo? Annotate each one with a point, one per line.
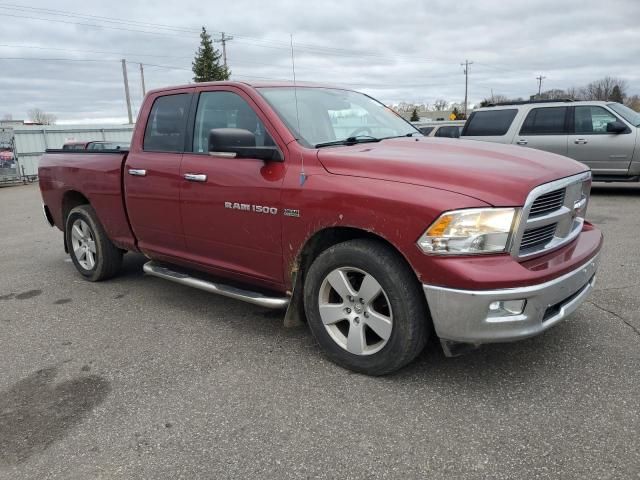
(166, 125)
(489, 123)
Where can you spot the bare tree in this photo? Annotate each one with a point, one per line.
(493, 99)
(38, 116)
(603, 89)
(633, 102)
(553, 94)
(440, 104)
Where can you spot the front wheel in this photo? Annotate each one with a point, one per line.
(365, 307)
(91, 251)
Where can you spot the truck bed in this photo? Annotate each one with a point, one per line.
(98, 175)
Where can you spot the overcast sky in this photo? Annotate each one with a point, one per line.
(395, 50)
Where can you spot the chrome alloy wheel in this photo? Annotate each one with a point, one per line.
(355, 310)
(83, 244)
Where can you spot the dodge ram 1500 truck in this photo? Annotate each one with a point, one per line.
(324, 201)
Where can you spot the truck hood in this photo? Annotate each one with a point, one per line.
(501, 175)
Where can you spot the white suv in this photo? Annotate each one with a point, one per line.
(602, 135)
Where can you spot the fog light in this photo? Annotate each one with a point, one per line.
(506, 307)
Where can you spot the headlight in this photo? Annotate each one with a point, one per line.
(474, 230)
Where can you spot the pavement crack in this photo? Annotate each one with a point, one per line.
(624, 320)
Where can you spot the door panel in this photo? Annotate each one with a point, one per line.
(605, 153)
(545, 129)
(153, 201)
(232, 214)
(152, 178)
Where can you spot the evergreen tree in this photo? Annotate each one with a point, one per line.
(206, 64)
(616, 95)
(414, 115)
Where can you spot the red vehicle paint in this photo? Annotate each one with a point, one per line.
(392, 189)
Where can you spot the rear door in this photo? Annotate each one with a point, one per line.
(231, 208)
(545, 128)
(606, 153)
(152, 178)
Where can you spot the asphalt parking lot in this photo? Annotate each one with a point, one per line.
(140, 378)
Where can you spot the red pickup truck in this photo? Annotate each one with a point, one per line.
(323, 201)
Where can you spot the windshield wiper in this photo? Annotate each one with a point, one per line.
(410, 134)
(349, 141)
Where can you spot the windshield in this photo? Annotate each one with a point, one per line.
(332, 115)
(625, 112)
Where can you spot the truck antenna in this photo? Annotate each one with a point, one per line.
(303, 176)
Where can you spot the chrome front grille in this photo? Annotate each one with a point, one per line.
(547, 203)
(538, 237)
(552, 216)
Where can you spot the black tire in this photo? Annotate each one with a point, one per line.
(107, 258)
(411, 323)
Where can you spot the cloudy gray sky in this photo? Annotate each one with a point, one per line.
(64, 56)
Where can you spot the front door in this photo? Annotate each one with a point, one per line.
(231, 210)
(606, 153)
(152, 178)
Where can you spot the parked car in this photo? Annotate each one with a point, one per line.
(376, 238)
(602, 135)
(95, 145)
(449, 129)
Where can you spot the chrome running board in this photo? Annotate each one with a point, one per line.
(255, 298)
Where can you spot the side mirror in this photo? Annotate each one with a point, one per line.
(238, 142)
(616, 127)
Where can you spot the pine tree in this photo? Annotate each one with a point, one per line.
(616, 95)
(206, 64)
(414, 115)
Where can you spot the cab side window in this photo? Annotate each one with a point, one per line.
(226, 110)
(592, 120)
(166, 125)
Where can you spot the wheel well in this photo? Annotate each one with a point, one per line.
(328, 237)
(70, 201)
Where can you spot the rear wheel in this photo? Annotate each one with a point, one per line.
(91, 251)
(365, 307)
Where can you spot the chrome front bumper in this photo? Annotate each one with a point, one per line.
(464, 315)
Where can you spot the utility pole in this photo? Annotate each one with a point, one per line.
(540, 79)
(466, 84)
(144, 90)
(126, 89)
(223, 40)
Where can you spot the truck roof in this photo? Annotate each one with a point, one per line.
(258, 84)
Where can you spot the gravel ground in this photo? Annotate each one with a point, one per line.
(140, 378)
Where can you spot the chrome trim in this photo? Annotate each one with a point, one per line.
(254, 298)
(569, 227)
(137, 172)
(195, 177)
(464, 315)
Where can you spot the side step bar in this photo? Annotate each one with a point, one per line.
(255, 298)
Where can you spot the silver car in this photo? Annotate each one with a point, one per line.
(602, 135)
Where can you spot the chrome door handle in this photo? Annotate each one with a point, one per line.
(137, 172)
(522, 141)
(580, 141)
(195, 177)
